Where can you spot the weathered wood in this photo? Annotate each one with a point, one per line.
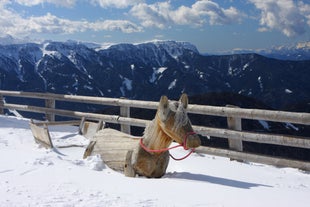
(88, 129)
(294, 141)
(257, 114)
(76, 114)
(234, 123)
(1, 104)
(128, 168)
(113, 146)
(284, 140)
(41, 135)
(269, 160)
(125, 112)
(50, 103)
(58, 123)
(89, 149)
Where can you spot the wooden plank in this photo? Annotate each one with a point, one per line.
(50, 103)
(234, 123)
(254, 114)
(269, 160)
(58, 123)
(284, 140)
(41, 135)
(88, 129)
(76, 114)
(125, 112)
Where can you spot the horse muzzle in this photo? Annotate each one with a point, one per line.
(193, 141)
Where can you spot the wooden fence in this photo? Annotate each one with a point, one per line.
(234, 115)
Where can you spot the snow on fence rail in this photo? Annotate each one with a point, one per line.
(234, 134)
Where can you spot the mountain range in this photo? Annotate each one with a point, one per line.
(300, 51)
(148, 70)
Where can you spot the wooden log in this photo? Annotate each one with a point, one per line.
(76, 114)
(284, 140)
(269, 160)
(113, 147)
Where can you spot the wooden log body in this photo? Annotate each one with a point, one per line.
(112, 146)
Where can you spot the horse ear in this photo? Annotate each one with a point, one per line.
(184, 100)
(164, 102)
(163, 108)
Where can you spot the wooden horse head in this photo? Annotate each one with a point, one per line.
(175, 123)
(171, 123)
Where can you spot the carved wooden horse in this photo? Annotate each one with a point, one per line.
(171, 123)
(150, 156)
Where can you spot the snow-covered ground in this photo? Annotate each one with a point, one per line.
(35, 176)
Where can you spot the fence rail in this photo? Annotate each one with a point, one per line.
(234, 133)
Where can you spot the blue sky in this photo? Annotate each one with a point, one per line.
(211, 25)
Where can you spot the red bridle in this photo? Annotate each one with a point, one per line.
(169, 148)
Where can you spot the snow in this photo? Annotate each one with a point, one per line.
(172, 84)
(288, 91)
(260, 82)
(34, 176)
(289, 125)
(264, 124)
(156, 72)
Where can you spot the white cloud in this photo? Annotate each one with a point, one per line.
(161, 14)
(288, 16)
(64, 3)
(13, 24)
(116, 3)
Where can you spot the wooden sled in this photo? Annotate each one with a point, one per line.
(148, 157)
(112, 146)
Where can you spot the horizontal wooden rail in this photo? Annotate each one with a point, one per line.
(256, 114)
(76, 114)
(285, 140)
(279, 162)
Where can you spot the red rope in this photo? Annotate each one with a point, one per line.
(169, 148)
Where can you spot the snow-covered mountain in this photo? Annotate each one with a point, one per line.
(300, 51)
(149, 70)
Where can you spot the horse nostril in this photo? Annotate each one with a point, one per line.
(193, 141)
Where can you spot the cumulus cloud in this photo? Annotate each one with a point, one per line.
(161, 14)
(288, 16)
(115, 3)
(64, 3)
(13, 24)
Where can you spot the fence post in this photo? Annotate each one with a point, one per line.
(1, 104)
(50, 103)
(125, 112)
(235, 124)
